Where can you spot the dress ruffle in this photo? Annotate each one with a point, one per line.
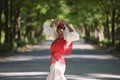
(57, 72)
(49, 31)
(71, 36)
(68, 36)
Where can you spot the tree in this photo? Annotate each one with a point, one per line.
(111, 10)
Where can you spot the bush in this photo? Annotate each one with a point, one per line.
(92, 40)
(6, 47)
(118, 47)
(36, 40)
(117, 34)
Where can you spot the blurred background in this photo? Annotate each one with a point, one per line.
(22, 21)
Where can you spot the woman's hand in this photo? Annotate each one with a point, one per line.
(54, 22)
(63, 21)
(67, 25)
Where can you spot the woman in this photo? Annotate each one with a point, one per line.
(61, 45)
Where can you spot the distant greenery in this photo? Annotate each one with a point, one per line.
(22, 20)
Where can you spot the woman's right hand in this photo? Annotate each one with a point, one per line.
(54, 22)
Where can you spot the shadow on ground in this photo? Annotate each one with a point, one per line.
(85, 63)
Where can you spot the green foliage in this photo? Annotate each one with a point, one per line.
(89, 14)
(118, 46)
(92, 40)
(118, 34)
(106, 43)
(85, 12)
(5, 47)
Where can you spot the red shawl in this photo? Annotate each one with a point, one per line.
(58, 50)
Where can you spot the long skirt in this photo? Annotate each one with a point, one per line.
(57, 71)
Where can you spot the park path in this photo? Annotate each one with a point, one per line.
(85, 63)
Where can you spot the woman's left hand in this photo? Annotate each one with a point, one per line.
(54, 22)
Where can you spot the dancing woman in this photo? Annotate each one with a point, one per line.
(65, 35)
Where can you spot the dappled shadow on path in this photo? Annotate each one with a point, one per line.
(31, 65)
(85, 63)
(92, 65)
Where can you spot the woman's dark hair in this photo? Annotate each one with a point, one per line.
(61, 27)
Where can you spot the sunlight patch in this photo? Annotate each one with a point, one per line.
(24, 58)
(105, 76)
(100, 57)
(77, 77)
(22, 73)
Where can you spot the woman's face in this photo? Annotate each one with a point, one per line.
(60, 32)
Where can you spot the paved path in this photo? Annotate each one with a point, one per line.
(85, 63)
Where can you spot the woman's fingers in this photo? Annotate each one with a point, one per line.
(56, 21)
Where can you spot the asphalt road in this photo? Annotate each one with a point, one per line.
(85, 63)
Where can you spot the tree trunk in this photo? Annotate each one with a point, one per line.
(107, 11)
(107, 27)
(14, 22)
(113, 28)
(10, 23)
(6, 22)
(41, 27)
(0, 23)
(39, 32)
(18, 24)
(87, 32)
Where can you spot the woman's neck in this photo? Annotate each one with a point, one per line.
(60, 36)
